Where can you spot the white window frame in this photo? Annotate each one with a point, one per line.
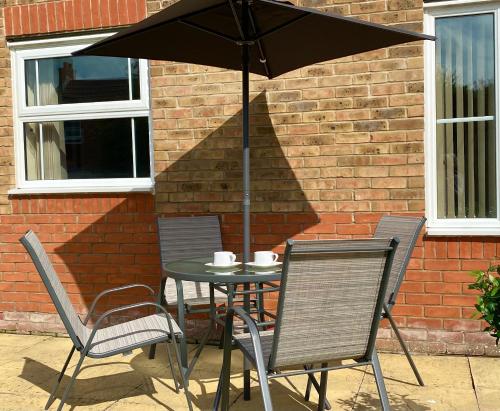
(59, 47)
(455, 226)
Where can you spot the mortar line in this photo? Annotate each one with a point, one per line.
(473, 383)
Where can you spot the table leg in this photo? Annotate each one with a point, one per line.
(246, 363)
(182, 324)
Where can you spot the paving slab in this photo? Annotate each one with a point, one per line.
(29, 366)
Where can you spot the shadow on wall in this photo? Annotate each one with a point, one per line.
(208, 179)
(119, 246)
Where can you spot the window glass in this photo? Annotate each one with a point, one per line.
(86, 149)
(81, 79)
(465, 113)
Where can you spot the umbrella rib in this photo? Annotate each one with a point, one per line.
(263, 57)
(237, 20)
(281, 26)
(206, 30)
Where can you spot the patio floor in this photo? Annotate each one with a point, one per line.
(29, 364)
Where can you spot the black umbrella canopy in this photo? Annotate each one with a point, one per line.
(281, 37)
(265, 37)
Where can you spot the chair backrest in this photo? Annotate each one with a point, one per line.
(331, 300)
(188, 237)
(69, 317)
(407, 230)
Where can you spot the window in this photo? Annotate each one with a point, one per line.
(462, 131)
(81, 123)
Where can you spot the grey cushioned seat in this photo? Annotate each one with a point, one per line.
(138, 332)
(244, 342)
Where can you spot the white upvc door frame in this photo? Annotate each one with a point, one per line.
(455, 226)
(57, 47)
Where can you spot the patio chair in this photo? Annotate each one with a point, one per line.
(182, 238)
(99, 341)
(329, 309)
(407, 229)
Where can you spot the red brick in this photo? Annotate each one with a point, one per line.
(59, 15)
(301, 218)
(442, 312)
(8, 21)
(431, 264)
(353, 229)
(453, 249)
(428, 323)
(43, 25)
(27, 28)
(69, 23)
(421, 275)
(78, 18)
(141, 9)
(465, 249)
(462, 325)
(470, 265)
(408, 310)
(424, 299)
(132, 11)
(464, 301)
(443, 288)
(457, 277)
(113, 13)
(86, 21)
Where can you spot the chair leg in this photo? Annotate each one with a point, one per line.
(264, 386)
(218, 393)
(379, 379)
(226, 369)
(161, 300)
(404, 347)
(307, 395)
(52, 396)
(322, 388)
(72, 381)
(183, 376)
(311, 380)
(172, 370)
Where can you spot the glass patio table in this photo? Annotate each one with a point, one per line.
(225, 280)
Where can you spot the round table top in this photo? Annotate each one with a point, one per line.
(196, 270)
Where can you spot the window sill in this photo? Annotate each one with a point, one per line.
(491, 230)
(82, 190)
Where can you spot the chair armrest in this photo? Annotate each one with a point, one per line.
(125, 308)
(112, 290)
(254, 334)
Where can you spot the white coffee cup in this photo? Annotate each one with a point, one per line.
(223, 258)
(265, 257)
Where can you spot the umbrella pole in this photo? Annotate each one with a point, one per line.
(246, 151)
(245, 61)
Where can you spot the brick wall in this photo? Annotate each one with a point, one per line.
(334, 147)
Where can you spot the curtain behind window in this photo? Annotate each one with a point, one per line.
(465, 88)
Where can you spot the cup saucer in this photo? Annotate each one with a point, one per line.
(253, 264)
(232, 265)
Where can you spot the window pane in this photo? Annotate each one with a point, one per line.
(84, 149)
(465, 87)
(142, 147)
(32, 151)
(465, 68)
(82, 79)
(466, 176)
(134, 68)
(31, 89)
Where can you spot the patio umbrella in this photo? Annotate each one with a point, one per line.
(264, 37)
